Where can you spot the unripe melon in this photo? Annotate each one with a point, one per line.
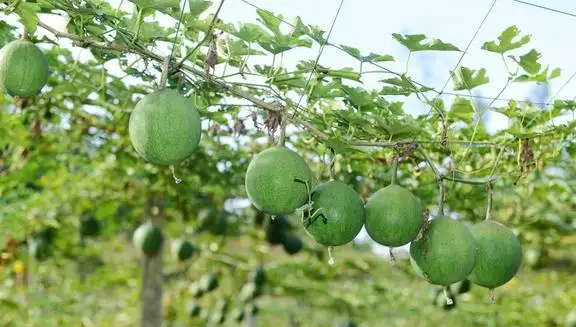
(274, 181)
(445, 253)
(24, 69)
(341, 217)
(165, 127)
(498, 254)
(148, 239)
(182, 250)
(394, 216)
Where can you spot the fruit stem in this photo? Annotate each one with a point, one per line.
(332, 164)
(165, 69)
(447, 296)
(282, 139)
(25, 35)
(441, 198)
(489, 207)
(330, 255)
(395, 170)
(176, 179)
(392, 257)
(492, 296)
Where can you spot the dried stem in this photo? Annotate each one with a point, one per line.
(208, 34)
(165, 69)
(283, 123)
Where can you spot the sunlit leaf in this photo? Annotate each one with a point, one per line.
(414, 43)
(506, 41)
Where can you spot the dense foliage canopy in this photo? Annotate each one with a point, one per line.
(73, 189)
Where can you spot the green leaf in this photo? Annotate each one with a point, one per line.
(250, 32)
(462, 109)
(158, 4)
(339, 146)
(540, 77)
(529, 62)
(414, 43)
(346, 73)
(357, 97)
(401, 86)
(271, 21)
(28, 13)
(506, 41)
(197, 7)
(467, 79)
(400, 129)
(372, 57)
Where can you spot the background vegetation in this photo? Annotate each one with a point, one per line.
(66, 159)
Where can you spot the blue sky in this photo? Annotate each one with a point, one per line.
(368, 25)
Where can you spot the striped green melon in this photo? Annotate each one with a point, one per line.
(498, 254)
(165, 127)
(341, 215)
(275, 181)
(24, 69)
(446, 252)
(394, 216)
(148, 239)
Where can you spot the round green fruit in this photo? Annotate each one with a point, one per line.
(40, 249)
(148, 239)
(534, 257)
(498, 254)
(292, 243)
(276, 229)
(194, 310)
(24, 69)
(394, 216)
(196, 291)
(209, 282)
(339, 216)
(165, 127)
(182, 250)
(276, 181)
(90, 227)
(258, 276)
(445, 253)
(238, 315)
(570, 319)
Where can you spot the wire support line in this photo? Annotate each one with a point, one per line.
(178, 29)
(318, 57)
(563, 86)
(375, 64)
(469, 44)
(546, 8)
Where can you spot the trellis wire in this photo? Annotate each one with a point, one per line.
(546, 8)
(318, 57)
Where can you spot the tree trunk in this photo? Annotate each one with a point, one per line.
(152, 288)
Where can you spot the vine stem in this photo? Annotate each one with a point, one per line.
(25, 35)
(395, 170)
(489, 207)
(332, 165)
(165, 69)
(283, 123)
(447, 296)
(441, 197)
